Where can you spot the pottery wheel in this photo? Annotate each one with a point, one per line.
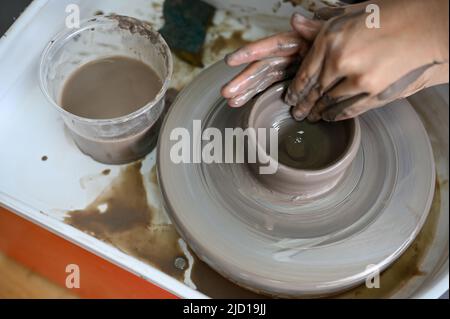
(283, 245)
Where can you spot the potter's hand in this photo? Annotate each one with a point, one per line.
(270, 60)
(352, 68)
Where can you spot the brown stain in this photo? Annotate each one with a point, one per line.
(154, 176)
(408, 265)
(222, 44)
(127, 223)
(156, 6)
(106, 172)
(44, 158)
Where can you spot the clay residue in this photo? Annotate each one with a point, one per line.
(408, 265)
(136, 26)
(156, 6)
(154, 176)
(122, 217)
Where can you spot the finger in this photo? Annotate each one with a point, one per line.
(306, 80)
(243, 98)
(279, 45)
(305, 27)
(329, 77)
(348, 108)
(359, 108)
(341, 90)
(254, 73)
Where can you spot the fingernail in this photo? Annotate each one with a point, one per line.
(231, 56)
(238, 101)
(298, 115)
(299, 18)
(228, 57)
(232, 89)
(233, 103)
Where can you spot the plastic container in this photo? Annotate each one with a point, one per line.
(118, 140)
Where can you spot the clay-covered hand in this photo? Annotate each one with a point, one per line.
(352, 68)
(270, 60)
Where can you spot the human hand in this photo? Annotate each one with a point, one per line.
(351, 68)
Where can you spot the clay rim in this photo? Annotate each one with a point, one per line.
(88, 24)
(347, 156)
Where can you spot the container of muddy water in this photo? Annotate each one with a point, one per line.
(108, 79)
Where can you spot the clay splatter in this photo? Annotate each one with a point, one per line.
(122, 217)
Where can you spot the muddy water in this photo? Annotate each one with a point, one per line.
(122, 216)
(109, 88)
(305, 145)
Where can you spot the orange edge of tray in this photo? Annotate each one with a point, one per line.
(48, 255)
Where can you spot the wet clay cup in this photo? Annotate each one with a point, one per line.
(117, 139)
(312, 157)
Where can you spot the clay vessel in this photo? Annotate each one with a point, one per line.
(270, 111)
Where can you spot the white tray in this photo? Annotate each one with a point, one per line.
(30, 129)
